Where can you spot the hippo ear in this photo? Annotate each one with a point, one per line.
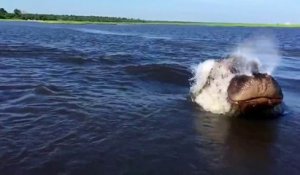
(254, 67)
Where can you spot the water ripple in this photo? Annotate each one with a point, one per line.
(114, 99)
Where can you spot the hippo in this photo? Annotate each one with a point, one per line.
(235, 86)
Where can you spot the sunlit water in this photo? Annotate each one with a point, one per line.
(114, 99)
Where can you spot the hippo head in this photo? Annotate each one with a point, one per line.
(256, 92)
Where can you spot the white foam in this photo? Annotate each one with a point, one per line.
(213, 96)
(201, 73)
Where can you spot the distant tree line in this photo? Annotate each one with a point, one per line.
(17, 14)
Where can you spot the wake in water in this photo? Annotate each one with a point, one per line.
(212, 77)
(119, 33)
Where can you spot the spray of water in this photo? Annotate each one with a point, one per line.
(259, 54)
(201, 73)
(261, 50)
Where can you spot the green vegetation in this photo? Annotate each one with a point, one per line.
(18, 15)
(63, 18)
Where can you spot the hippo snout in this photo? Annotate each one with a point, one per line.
(256, 91)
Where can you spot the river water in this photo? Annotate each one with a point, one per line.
(114, 99)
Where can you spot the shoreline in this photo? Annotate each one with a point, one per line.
(208, 24)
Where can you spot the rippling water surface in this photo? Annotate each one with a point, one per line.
(114, 99)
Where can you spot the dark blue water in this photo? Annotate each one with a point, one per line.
(114, 99)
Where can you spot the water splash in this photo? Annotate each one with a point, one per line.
(260, 50)
(209, 89)
(201, 73)
(212, 78)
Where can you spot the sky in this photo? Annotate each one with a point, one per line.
(245, 11)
